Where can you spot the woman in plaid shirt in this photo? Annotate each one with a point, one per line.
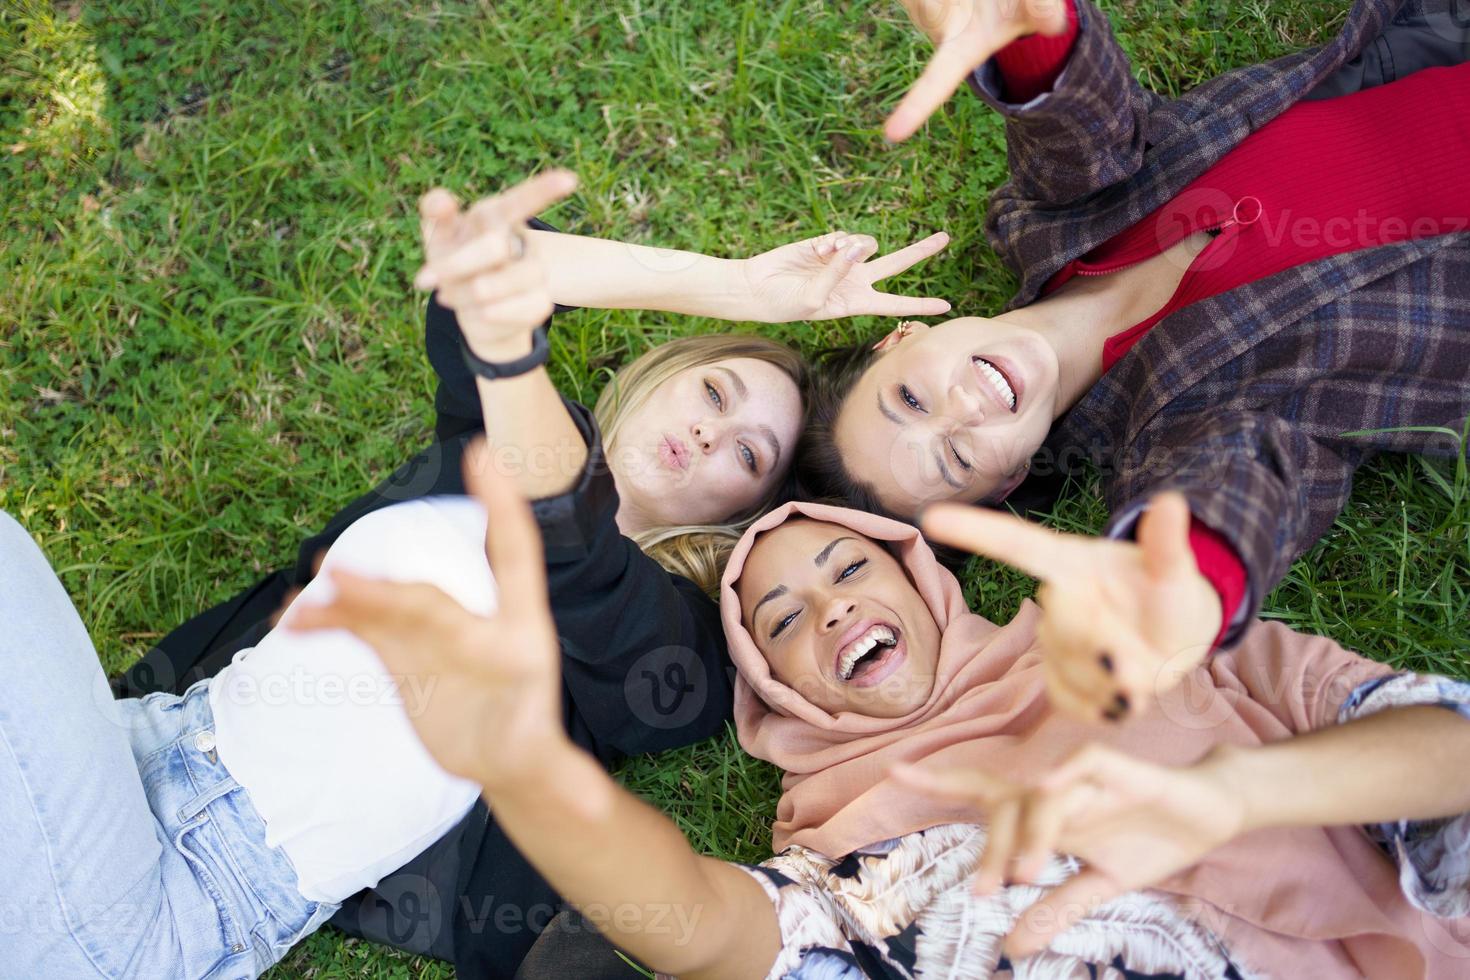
(1240, 295)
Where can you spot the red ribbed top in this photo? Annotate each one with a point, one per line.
(1030, 65)
(1384, 165)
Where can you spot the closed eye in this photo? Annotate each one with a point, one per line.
(782, 625)
(715, 397)
(907, 397)
(957, 457)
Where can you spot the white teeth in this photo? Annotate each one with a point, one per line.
(997, 381)
(861, 647)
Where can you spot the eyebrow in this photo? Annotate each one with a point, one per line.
(888, 413)
(826, 552)
(770, 435)
(775, 593)
(734, 380)
(819, 561)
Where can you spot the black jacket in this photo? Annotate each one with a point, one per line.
(644, 668)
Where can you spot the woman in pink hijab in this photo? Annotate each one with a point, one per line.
(1287, 809)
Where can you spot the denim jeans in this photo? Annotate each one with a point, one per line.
(126, 848)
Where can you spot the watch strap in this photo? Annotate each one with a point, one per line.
(493, 371)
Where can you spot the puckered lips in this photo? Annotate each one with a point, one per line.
(674, 453)
(999, 381)
(870, 651)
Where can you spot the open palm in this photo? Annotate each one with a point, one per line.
(833, 275)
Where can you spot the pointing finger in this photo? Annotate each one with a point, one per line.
(1163, 534)
(946, 70)
(1029, 547)
(526, 199)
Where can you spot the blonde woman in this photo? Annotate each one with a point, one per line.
(696, 440)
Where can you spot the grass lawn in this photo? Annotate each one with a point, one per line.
(208, 342)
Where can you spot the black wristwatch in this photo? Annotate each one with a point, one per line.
(492, 371)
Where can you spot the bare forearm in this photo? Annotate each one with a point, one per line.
(529, 431)
(627, 867)
(595, 272)
(1401, 764)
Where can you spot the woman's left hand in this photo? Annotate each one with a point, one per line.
(1134, 824)
(832, 276)
(1122, 621)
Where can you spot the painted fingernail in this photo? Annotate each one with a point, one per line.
(1118, 709)
(1105, 660)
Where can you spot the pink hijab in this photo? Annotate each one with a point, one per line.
(1313, 902)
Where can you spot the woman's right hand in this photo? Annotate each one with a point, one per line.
(1134, 824)
(488, 707)
(485, 268)
(1122, 622)
(966, 34)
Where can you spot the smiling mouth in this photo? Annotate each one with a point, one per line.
(871, 655)
(998, 380)
(674, 453)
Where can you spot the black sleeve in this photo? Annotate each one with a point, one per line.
(456, 402)
(644, 659)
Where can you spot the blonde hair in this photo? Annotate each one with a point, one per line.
(696, 551)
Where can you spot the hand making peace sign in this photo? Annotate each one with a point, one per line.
(483, 266)
(833, 275)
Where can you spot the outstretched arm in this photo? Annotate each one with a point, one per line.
(502, 281)
(832, 275)
(491, 713)
(1135, 823)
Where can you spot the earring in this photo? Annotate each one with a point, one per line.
(897, 335)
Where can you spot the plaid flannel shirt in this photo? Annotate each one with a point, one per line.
(1252, 403)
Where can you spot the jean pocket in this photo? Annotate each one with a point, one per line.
(194, 841)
